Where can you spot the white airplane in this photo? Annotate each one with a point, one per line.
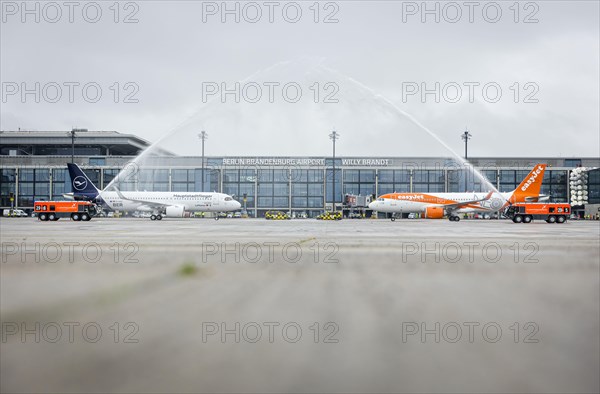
(160, 204)
(438, 205)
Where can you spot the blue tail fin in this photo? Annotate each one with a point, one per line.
(81, 186)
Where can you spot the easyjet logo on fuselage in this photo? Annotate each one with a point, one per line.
(409, 197)
(532, 178)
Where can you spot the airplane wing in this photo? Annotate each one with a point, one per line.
(150, 204)
(458, 205)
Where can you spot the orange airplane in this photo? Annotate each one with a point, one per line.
(438, 205)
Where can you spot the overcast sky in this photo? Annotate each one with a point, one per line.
(366, 66)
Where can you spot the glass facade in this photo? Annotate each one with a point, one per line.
(8, 182)
(330, 179)
(594, 187)
(34, 184)
(357, 182)
(307, 189)
(391, 181)
(468, 180)
(555, 185)
(61, 183)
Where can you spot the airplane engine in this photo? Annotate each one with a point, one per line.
(434, 212)
(175, 211)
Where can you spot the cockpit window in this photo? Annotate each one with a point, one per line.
(380, 199)
(228, 198)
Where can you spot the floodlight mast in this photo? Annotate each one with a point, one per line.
(334, 136)
(203, 135)
(466, 136)
(72, 132)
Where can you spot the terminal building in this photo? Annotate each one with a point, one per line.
(33, 167)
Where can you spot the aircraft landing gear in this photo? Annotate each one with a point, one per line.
(393, 218)
(159, 217)
(454, 218)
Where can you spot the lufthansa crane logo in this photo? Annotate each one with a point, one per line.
(79, 183)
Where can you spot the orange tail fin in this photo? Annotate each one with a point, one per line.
(530, 186)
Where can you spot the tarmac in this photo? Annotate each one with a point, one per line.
(250, 305)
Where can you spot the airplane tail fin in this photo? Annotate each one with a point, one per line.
(81, 185)
(529, 188)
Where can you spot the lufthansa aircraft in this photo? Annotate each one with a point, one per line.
(167, 204)
(437, 205)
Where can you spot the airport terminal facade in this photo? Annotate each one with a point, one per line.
(33, 167)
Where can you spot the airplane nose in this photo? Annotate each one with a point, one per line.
(372, 205)
(238, 205)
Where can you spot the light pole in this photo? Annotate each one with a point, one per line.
(203, 136)
(72, 132)
(466, 136)
(72, 146)
(334, 136)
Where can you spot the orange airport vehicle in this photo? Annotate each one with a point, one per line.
(523, 212)
(54, 210)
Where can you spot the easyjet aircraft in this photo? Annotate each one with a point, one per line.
(438, 205)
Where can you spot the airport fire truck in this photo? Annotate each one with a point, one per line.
(524, 212)
(54, 210)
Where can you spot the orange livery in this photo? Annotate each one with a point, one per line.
(54, 210)
(438, 205)
(523, 212)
